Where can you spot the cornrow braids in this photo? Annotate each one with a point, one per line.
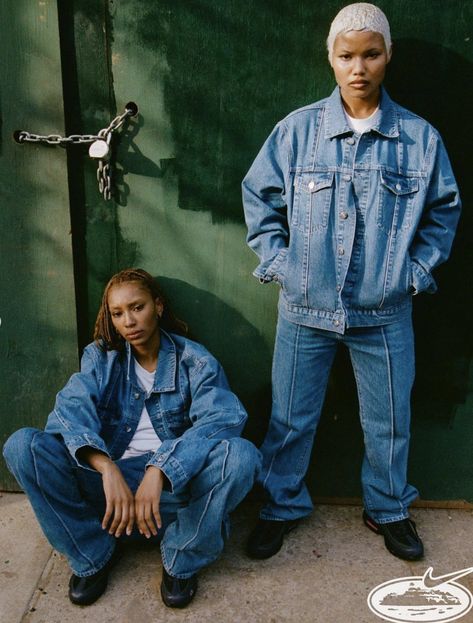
(105, 334)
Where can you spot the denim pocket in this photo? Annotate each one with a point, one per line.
(395, 201)
(312, 199)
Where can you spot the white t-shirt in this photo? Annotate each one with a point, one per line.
(145, 438)
(363, 125)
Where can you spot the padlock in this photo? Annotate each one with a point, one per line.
(99, 149)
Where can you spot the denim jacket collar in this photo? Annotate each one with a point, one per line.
(336, 121)
(165, 377)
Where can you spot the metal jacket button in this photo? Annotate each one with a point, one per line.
(351, 140)
(343, 215)
(347, 178)
(136, 396)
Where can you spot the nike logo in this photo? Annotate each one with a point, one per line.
(431, 581)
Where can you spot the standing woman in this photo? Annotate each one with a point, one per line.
(350, 205)
(144, 440)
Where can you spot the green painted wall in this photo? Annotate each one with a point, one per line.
(38, 339)
(211, 79)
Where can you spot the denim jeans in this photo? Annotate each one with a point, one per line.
(383, 362)
(69, 502)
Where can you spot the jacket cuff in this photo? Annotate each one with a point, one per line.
(422, 281)
(170, 467)
(272, 270)
(76, 442)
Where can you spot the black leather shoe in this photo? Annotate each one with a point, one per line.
(267, 538)
(176, 592)
(400, 537)
(84, 591)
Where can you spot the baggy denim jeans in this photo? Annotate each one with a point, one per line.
(383, 362)
(69, 502)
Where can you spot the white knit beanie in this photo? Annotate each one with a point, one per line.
(359, 16)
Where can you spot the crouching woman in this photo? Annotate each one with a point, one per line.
(143, 442)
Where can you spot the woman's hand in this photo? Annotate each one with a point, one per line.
(147, 499)
(120, 508)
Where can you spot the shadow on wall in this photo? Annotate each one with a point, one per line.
(238, 346)
(437, 84)
(231, 76)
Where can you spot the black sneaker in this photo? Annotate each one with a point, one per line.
(267, 538)
(84, 591)
(177, 592)
(400, 537)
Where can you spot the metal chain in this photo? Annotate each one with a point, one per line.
(56, 139)
(104, 170)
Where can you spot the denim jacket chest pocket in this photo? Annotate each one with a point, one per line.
(397, 194)
(174, 411)
(313, 193)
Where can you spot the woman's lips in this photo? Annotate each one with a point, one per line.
(134, 335)
(359, 84)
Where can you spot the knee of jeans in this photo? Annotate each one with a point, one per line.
(17, 448)
(243, 460)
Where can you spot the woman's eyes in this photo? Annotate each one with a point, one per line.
(117, 314)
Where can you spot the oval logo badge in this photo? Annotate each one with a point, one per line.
(422, 598)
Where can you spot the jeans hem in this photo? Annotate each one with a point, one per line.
(390, 519)
(179, 576)
(96, 568)
(269, 517)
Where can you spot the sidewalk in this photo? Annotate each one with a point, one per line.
(324, 572)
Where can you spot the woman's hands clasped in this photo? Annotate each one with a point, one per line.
(123, 510)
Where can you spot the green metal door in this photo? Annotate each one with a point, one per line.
(38, 338)
(211, 79)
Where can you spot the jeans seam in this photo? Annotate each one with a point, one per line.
(296, 345)
(366, 496)
(391, 407)
(56, 514)
(209, 497)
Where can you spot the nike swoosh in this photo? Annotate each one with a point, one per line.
(431, 581)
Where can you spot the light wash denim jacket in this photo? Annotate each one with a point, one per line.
(191, 406)
(350, 225)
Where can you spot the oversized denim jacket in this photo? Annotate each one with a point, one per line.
(350, 225)
(191, 406)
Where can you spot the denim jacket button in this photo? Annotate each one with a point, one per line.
(339, 287)
(136, 396)
(336, 323)
(128, 429)
(347, 178)
(351, 140)
(311, 184)
(341, 251)
(343, 215)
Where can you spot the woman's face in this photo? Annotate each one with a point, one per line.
(359, 62)
(134, 313)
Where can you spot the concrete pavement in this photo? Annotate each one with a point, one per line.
(324, 572)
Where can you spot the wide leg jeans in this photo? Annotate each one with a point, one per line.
(383, 362)
(69, 501)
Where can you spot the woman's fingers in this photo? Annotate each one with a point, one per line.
(148, 518)
(156, 514)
